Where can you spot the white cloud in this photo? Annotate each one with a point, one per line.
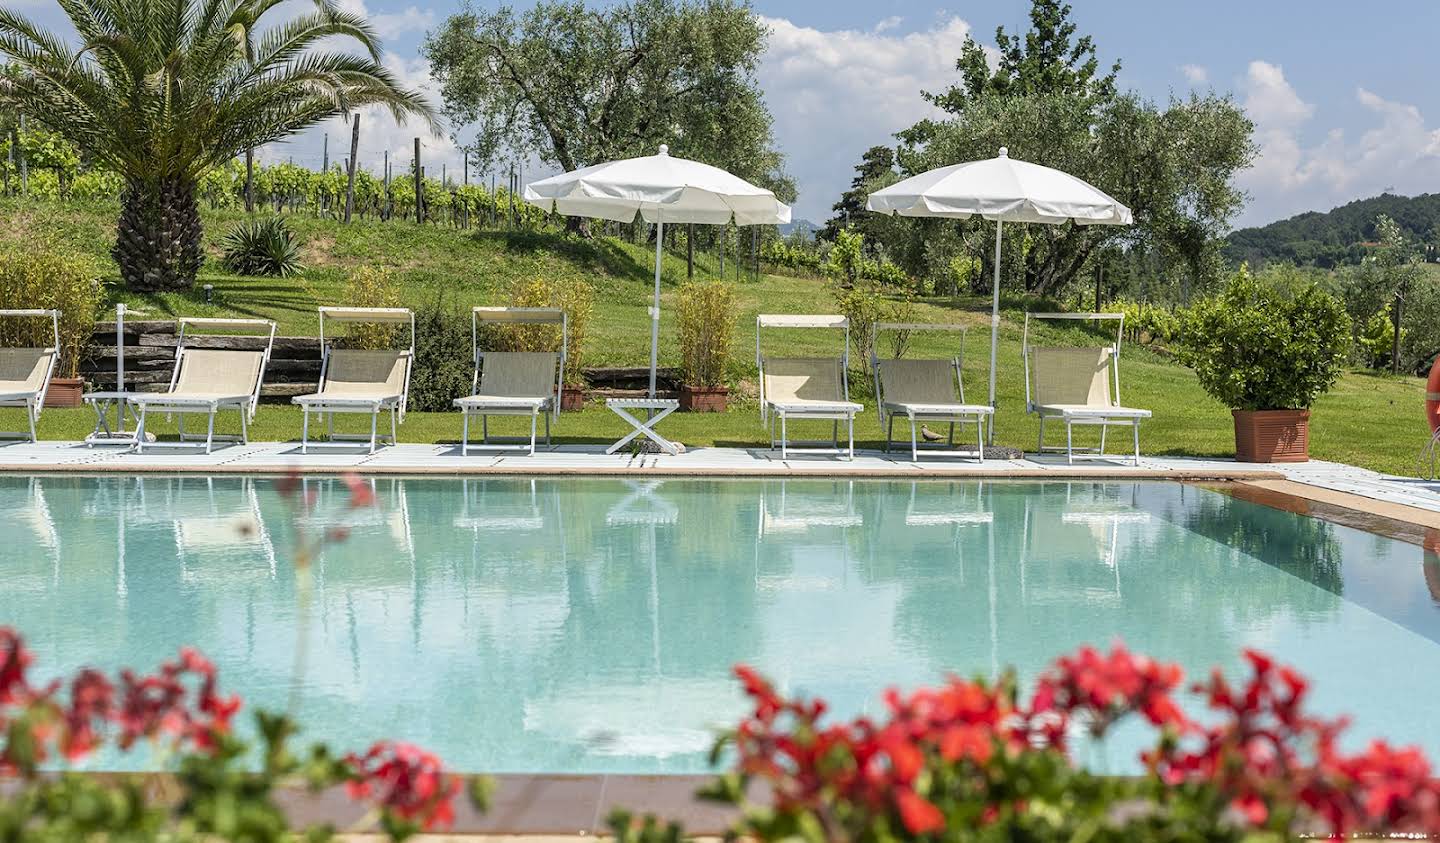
(892, 22)
(379, 133)
(1195, 74)
(836, 93)
(1278, 113)
(1270, 99)
(393, 25)
(1293, 174)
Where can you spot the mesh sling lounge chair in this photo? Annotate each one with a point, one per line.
(363, 381)
(807, 388)
(513, 383)
(1078, 385)
(25, 373)
(925, 390)
(208, 380)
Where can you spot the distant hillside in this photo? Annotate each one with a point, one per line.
(1334, 237)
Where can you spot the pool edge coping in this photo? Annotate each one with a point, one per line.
(906, 470)
(1402, 522)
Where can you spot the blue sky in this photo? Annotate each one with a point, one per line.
(1343, 95)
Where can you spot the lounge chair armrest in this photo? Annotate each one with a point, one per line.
(816, 407)
(480, 401)
(162, 399)
(939, 409)
(336, 401)
(1079, 412)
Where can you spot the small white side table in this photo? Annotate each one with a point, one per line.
(655, 410)
(102, 402)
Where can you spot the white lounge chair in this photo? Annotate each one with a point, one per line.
(513, 383)
(208, 380)
(1078, 385)
(925, 390)
(25, 373)
(806, 388)
(363, 381)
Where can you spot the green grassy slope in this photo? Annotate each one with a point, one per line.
(1369, 420)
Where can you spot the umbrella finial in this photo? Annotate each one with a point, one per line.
(664, 149)
(1004, 152)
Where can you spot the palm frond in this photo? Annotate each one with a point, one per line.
(159, 88)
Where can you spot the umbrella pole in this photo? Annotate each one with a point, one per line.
(655, 308)
(995, 323)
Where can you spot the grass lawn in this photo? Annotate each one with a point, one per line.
(1369, 420)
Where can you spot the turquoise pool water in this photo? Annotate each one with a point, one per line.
(588, 625)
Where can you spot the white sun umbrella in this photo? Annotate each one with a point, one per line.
(1002, 189)
(663, 189)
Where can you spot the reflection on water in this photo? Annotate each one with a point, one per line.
(537, 624)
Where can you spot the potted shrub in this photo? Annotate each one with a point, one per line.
(1267, 351)
(706, 316)
(38, 278)
(576, 298)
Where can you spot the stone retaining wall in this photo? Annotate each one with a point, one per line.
(294, 362)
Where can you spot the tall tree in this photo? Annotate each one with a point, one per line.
(1046, 60)
(577, 86)
(877, 163)
(1398, 257)
(162, 91)
(1048, 102)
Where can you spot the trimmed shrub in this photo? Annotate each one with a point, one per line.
(576, 298)
(1265, 346)
(370, 286)
(444, 365)
(706, 316)
(37, 278)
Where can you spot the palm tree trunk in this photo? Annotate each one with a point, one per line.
(157, 241)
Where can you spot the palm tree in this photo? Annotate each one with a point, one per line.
(164, 90)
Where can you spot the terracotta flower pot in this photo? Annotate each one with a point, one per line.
(1272, 435)
(65, 392)
(703, 399)
(572, 398)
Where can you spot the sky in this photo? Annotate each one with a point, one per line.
(1342, 95)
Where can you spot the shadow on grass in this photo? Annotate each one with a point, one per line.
(596, 254)
(1403, 379)
(255, 303)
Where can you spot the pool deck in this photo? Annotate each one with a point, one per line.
(1326, 483)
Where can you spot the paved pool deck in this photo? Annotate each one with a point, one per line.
(1327, 483)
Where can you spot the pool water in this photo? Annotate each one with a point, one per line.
(589, 625)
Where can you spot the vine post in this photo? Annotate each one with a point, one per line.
(250, 181)
(350, 177)
(419, 186)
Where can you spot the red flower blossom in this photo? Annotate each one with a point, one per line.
(1106, 687)
(406, 780)
(919, 814)
(14, 660)
(92, 699)
(1262, 753)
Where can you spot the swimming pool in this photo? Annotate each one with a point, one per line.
(589, 625)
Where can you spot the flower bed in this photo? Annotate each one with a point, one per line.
(973, 760)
